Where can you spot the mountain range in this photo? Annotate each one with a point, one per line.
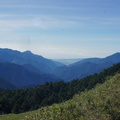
(25, 69)
(86, 67)
(18, 76)
(22, 58)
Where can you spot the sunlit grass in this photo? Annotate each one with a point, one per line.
(22, 116)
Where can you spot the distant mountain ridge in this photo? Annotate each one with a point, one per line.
(25, 69)
(18, 76)
(115, 58)
(86, 67)
(37, 67)
(27, 57)
(4, 84)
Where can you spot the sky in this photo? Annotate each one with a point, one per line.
(61, 28)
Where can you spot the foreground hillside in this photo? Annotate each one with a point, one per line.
(100, 103)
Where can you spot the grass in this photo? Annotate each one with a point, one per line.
(100, 103)
(18, 116)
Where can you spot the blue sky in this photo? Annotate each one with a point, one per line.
(61, 28)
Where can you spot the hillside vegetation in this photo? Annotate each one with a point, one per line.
(19, 101)
(100, 103)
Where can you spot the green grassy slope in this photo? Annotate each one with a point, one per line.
(100, 103)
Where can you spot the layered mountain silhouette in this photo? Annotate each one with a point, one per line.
(27, 57)
(18, 76)
(25, 69)
(4, 84)
(86, 67)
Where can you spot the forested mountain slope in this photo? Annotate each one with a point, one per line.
(100, 103)
(17, 101)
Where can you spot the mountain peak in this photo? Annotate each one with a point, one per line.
(118, 53)
(28, 52)
(115, 55)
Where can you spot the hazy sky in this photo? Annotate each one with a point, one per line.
(61, 28)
